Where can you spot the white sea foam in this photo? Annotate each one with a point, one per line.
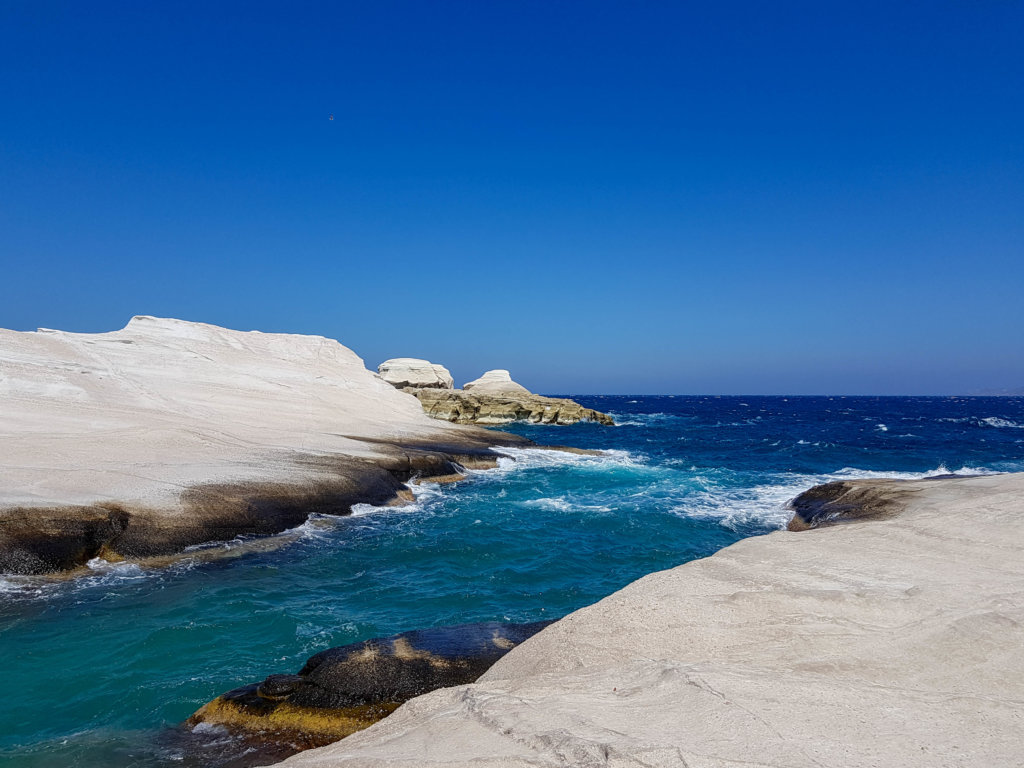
(989, 421)
(209, 728)
(560, 504)
(564, 504)
(716, 495)
(646, 419)
(518, 459)
(768, 503)
(995, 421)
(19, 586)
(100, 566)
(424, 494)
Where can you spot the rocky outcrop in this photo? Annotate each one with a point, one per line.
(492, 399)
(343, 690)
(141, 442)
(892, 640)
(845, 501)
(486, 408)
(498, 381)
(405, 372)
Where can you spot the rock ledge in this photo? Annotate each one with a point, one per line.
(487, 408)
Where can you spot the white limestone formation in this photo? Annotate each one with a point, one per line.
(411, 372)
(498, 381)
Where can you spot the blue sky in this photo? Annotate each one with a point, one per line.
(726, 197)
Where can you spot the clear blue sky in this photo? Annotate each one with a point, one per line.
(717, 197)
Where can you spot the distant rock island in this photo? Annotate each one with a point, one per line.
(494, 398)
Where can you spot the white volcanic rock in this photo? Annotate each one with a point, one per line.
(493, 382)
(412, 372)
(892, 642)
(137, 413)
(103, 433)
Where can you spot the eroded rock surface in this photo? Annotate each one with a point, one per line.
(887, 641)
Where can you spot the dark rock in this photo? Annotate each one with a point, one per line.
(46, 540)
(345, 689)
(846, 501)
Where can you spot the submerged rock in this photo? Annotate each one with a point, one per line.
(404, 372)
(346, 689)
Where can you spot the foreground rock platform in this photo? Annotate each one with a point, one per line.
(342, 690)
(892, 640)
(165, 434)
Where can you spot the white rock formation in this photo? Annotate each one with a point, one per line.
(891, 642)
(493, 382)
(412, 372)
(137, 413)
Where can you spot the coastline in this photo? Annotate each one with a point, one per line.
(166, 434)
(144, 442)
(891, 640)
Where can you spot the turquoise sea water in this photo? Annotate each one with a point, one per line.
(96, 670)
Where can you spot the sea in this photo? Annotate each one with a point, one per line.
(101, 670)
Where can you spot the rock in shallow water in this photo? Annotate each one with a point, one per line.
(346, 689)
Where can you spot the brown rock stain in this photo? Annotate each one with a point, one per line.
(304, 727)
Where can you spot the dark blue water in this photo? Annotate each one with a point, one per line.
(96, 668)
